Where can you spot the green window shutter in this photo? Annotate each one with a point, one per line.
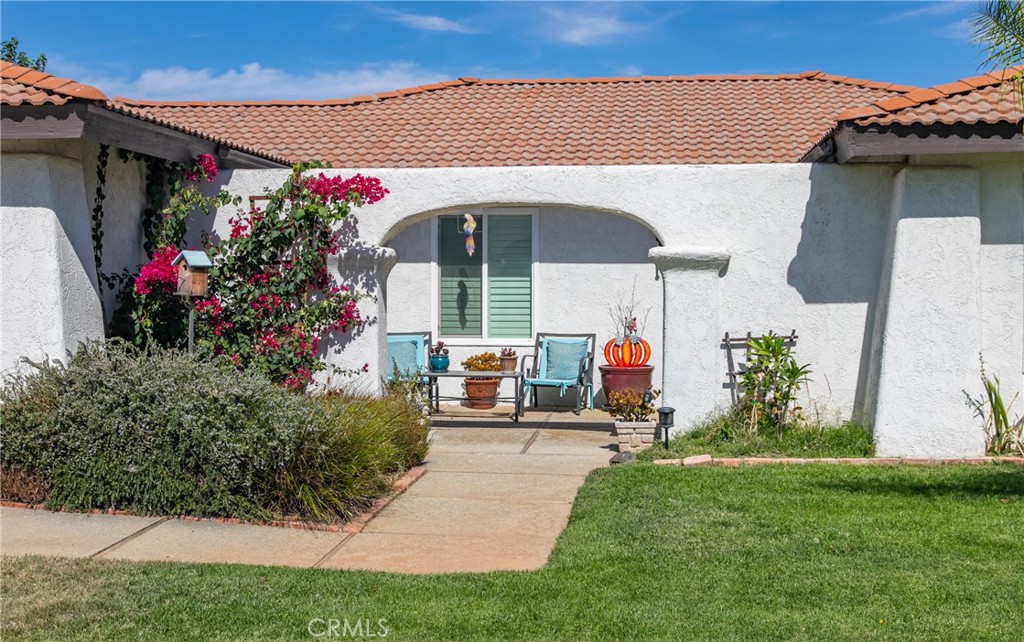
(461, 279)
(509, 276)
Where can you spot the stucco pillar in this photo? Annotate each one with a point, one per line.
(365, 269)
(48, 290)
(927, 333)
(692, 372)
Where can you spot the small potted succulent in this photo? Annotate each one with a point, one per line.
(482, 391)
(508, 360)
(439, 358)
(632, 410)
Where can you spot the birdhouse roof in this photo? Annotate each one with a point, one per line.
(193, 259)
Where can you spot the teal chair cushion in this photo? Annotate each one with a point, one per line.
(563, 359)
(407, 352)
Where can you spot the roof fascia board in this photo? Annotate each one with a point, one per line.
(42, 121)
(119, 130)
(98, 124)
(855, 144)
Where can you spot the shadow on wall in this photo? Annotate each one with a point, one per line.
(842, 247)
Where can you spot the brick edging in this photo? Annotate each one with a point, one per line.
(734, 462)
(358, 522)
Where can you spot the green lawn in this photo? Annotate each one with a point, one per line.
(816, 552)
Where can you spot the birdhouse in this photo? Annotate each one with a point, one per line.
(193, 270)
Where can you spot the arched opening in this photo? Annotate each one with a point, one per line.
(537, 268)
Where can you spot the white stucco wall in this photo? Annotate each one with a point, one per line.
(50, 299)
(125, 198)
(1001, 187)
(806, 243)
(48, 287)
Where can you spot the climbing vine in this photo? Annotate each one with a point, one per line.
(97, 211)
(159, 173)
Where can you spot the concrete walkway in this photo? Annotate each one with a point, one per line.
(495, 497)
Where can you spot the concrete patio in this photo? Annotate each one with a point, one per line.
(495, 497)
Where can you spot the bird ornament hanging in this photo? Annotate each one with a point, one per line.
(468, 228)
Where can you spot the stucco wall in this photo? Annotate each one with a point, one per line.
(50, 288)
(122, 206)
(806, 243)
(49, 279)
(1001, 183)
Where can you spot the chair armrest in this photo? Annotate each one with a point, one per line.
(580, 375)
(522, 366)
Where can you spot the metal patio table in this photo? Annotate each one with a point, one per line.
(517, 380)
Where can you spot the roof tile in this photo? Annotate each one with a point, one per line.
(981, 99)
(567, 121)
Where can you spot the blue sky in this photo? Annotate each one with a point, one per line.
(267, 50)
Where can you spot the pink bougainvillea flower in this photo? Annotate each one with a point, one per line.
(158, 276)
(368, 189)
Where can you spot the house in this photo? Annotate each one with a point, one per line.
(884, 222)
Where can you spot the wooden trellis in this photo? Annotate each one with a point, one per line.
(735, 370)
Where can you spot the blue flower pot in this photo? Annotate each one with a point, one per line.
(439, 363)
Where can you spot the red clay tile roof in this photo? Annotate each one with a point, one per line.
(21, 85)
(588, 121)
(982, 99)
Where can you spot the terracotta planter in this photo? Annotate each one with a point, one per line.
(482, 393)
(617, 379)
(508, 364)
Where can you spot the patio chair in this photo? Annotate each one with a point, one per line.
(561, 361)
(409, 352)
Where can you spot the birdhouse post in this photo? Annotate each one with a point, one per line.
(193, 274)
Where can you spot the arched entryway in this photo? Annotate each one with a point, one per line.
(536, 268)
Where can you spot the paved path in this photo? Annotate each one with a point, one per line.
(495, 497)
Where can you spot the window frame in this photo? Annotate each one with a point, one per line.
(435, 278)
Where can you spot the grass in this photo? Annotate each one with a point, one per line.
(819, 552)
(727, 436)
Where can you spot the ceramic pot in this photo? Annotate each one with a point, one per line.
(481, 393)
(617, 379)
(508, 364)
(439, 363)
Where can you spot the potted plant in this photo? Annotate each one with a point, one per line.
(482, 391)
(632, 410)
(439, 358)
(627, 353)
(508, 360)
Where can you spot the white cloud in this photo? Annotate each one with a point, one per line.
(588, 25)
(256, 82)
(429, 23)
(937, 9)
(960, 30)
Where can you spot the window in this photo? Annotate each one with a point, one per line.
(488, 295)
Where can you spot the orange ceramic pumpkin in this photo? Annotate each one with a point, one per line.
(627, 355)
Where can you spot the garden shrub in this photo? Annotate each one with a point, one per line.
(156, 431)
